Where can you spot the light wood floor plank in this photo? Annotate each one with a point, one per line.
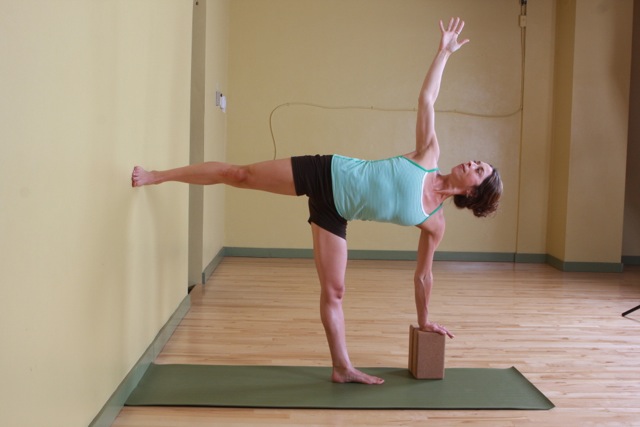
(563, 331)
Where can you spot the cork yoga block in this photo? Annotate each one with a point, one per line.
(426, 354)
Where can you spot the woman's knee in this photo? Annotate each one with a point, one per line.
(333, 290)
(237, 176)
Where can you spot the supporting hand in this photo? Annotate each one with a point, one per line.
(449, 41)
(434, 327)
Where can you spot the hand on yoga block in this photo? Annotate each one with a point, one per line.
(426, 354)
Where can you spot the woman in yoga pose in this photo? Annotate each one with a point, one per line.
(405, 190)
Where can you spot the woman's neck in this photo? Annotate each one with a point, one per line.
(443, 187)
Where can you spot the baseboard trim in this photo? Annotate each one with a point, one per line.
(585, 267)
(114, 405)
(530, 258)
(590, 267)
(370, 254)
(267, 252)
(474, 256)
(208, 271)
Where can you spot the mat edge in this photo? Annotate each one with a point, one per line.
(550, 405)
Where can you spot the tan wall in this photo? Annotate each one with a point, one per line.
(196, 137)
(376, 53)
(590, 142)
(631, 240)
(600, 126)
(215, 136)
(536, 129)
(333, 54)
(91, 269)
(562, 119)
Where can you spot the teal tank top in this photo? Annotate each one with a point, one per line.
(388, 190)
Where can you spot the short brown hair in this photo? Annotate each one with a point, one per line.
(485, 197)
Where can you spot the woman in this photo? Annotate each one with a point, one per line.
(399, 190)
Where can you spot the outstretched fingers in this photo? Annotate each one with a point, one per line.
(451, 26)
(450, 34)
(444, 331)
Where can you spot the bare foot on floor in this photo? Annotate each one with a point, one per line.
(352, 375)
(141, 177)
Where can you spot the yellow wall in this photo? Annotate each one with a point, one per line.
(536, 128)
(375, 53)
(601, 99)
(91, 269)
(215, 135)
(372, 53)
(591, 123)
(562, 114)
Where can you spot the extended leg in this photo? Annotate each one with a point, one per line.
(330, 253)
(274, 176)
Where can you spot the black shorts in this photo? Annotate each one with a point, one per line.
(312, 177)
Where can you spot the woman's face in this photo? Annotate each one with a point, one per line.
(472, 173)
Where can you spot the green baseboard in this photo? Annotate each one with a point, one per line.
(268, 252)
(597, 267)
(369, 254)
(530, 258)
(585, 267)
(474, 256)
(208, 271)
(114, 405)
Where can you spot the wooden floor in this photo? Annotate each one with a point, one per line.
(563, 331)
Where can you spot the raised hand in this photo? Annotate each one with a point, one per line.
(449, 41)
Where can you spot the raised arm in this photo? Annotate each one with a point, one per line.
(426, 141)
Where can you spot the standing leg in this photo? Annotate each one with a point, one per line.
(274, 176)
(330, 253)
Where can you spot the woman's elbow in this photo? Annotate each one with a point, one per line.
(426, 101)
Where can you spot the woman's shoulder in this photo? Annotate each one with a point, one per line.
(435, 224)
(427, 160)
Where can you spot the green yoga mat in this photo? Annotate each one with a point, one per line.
(310, 387)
